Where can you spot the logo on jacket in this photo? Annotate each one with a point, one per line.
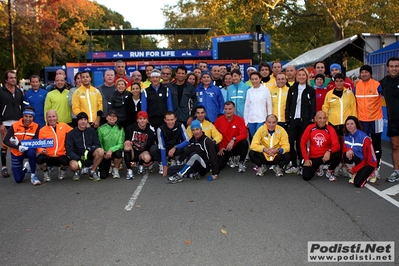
(319, 139)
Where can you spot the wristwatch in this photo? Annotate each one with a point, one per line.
(234, 139)
(329, 150)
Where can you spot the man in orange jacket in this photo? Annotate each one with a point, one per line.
(56, 155)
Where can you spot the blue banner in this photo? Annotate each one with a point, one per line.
(38, 143)
(150, 54)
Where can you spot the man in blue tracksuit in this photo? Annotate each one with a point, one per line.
(210, 97)
(35, 97)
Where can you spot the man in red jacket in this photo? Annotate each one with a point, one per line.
(323, 148)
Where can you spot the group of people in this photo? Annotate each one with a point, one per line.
(200, 121)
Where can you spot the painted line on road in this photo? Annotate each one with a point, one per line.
(392, 191)
(136, 193)
(388, 164)
(382, 195)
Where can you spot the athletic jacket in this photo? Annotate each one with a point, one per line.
(111, 137)
(10, 106)
(339, 108)
(321, 139)
(117, 101)
(212, 100)
(308, 103)
(36, 99)
(59, 135)
(186, 107)
(237, 93)
(58, 100)
(368, 100)
(205, 148)
(362, 147)
(169, 137)
(18, 130)
(78, 141)
(258, 105)
(88, 100)
(209, 130)
(235, 128)
(279, 100)
(264, 138)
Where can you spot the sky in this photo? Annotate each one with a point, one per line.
(143, 14)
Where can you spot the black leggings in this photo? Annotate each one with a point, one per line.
(295, 132)
(241, 149)
(363, 174)
(259, 158)
(309, 171)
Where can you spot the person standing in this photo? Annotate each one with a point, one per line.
(11, 104)
(156, 100)
(36, 97)
(184, 98)
(89, 100)
(237, 92)
(117, 102)
(120, 70)
(57, 100)
(390, 85)
(299, 113)
(279, 95)
(210, 97)
(107, 89)
(369, 109)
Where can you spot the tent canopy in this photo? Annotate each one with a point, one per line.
(321, 53)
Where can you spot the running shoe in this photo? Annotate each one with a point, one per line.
(35, 180)
(241, 167)
(393, 177)
(291, 170)
(176, 178)
(261, 170)
(129, 175)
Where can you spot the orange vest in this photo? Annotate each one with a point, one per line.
(59, 136)
(368, 101)
(23, 133)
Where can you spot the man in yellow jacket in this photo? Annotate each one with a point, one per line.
(89, 100)
(279, 94)
(270, 146)
(207, 127)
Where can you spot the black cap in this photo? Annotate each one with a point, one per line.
(367, 68)
(112, 112)
(320, 76)
(82, 115)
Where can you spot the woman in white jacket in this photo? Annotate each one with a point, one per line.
(258, 104)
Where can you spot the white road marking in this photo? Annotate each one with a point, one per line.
(382, 195)
(388, 164)
(136, 193)
(392, 191)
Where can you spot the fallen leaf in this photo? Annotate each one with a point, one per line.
(138, 206)
(223, 231)
(188, 242)
(67, 226)
(191, 200)
(217, 195)
(357, 191)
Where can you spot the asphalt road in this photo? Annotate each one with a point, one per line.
(239, 219)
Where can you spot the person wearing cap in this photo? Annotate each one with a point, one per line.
(23, 129)
(270, 146)
(369, 109)
(250, 70)
(358, 153)
(139, 137)
(390, 85)
(83, 148)
(216, 80)
(184, 98)
(111, 136)
(334, 70)
(156, 100)
(89, 100)
(117, 102)
(53, 156)
(172, 139)
(320, 90)
(210, 97)
(202, 157)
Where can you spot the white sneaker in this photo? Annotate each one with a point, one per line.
(231, 162)
(160, 169)
(261, 170)
(35, 180)
(330, 175)
(27, 167)
(241, 167)
(46, 176)
(129, 174)
(291, 170)
(61, 173)
(278, 171)
(320, 171)
(115, 173)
